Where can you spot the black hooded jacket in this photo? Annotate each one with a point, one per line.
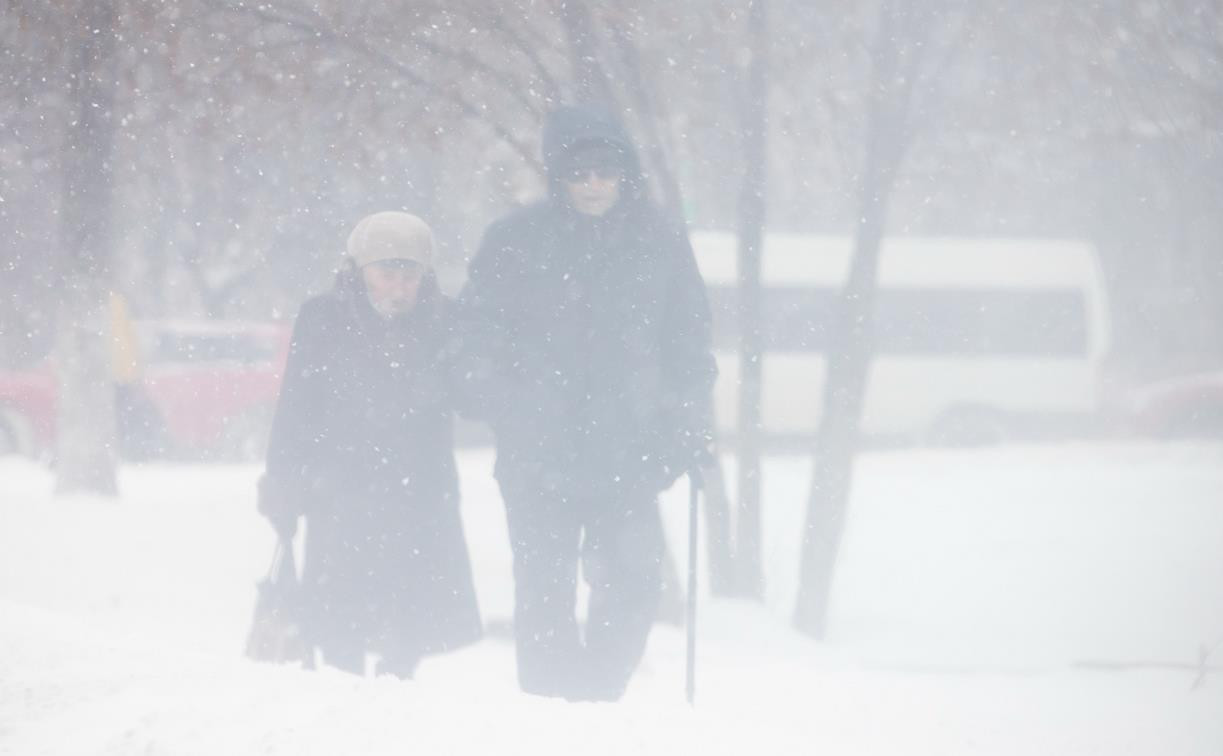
(586, 339)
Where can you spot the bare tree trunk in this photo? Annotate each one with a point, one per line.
(836, 442)
(593, 85)
(671, 603)
(849, 355)
(723, 577)
(751, 345)
(590, 82)
(86, 447)
(719, 543)
(649, 116)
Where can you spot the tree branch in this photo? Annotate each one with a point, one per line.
(324, 32)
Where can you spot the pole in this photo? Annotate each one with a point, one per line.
(694, 487)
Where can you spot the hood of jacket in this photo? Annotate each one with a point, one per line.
(572, 127)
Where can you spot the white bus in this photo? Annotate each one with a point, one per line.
(975, 339)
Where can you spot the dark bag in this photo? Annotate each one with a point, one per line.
(276, 633)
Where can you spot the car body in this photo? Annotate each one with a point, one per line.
(201, 388)
(1184, 406)
(27, 410)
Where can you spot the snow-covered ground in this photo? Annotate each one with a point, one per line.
(982, 598)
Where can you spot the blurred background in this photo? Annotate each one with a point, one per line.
(921, 222)
(205, 159)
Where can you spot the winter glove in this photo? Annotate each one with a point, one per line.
(278, 504)
(684, 446)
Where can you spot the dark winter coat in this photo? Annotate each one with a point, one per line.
(586, 339)
(362, 438)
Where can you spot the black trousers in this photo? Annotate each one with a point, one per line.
(619, 545)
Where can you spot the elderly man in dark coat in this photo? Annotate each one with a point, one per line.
(362, 446)
(585, 331)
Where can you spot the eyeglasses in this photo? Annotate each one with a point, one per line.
(580, 174)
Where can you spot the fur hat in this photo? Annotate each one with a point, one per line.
(391, 235)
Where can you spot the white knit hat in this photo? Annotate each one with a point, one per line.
(391, 235)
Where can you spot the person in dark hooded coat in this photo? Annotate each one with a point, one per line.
(361, 444)
(585, 332)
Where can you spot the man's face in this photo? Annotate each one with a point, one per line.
(393, 286)
(592, 182)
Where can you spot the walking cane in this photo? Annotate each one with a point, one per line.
(694, 487)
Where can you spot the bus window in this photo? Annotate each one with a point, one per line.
(1051, 322)
(1026, 322)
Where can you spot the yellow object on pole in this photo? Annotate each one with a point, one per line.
(124, 351)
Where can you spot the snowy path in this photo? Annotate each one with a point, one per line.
(972, 582)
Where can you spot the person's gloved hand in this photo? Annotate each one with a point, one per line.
(280, 506)
(682, 448)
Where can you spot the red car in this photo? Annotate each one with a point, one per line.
(204, 389)
(1185, 406)
(27, 410)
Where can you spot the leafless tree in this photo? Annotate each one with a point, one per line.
(752, 204)
(898, 63)
(86, 438)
